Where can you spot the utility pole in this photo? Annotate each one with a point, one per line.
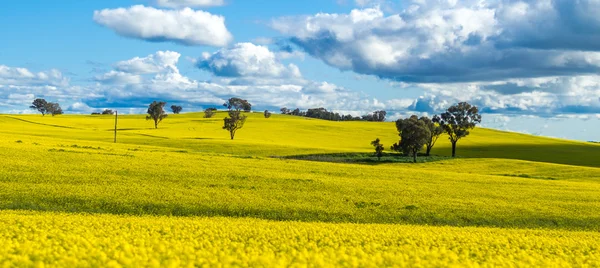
(116, 118)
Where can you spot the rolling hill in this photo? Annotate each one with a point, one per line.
(188, 176)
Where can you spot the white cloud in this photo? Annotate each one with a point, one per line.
(20, 86)
(185, 26)
(25, 77)
(435, 41)
(79, 107)
(19, 99)
(151, 64)
(284, 55)
(543, 97)
(189, 3)
(247, 60)
(119, 78)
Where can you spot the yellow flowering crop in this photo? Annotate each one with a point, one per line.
(67, 240)
(186, 195)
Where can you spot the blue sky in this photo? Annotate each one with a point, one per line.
(531, 66)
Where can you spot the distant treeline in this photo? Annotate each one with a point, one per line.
(322, 113)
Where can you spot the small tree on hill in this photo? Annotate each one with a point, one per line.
(284, 110)
(378, 148)
(108, 112)
(176, 109)
(156, 112)
(457, 121)
(414, 134)
(53, 108)
(234, 122)
(236, 119)
(267, 114)
(435, 129)
(210, 112)
(39, 105)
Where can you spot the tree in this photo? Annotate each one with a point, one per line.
(285, 110)
(156, 112)
(39, 105)
(53, 108)
(238, 105)
(414, 134)
(457, 121)
(435, 129)
(234, 122)
(378, 148)
(108, 112)
(176, 109)
(379, 116)
(236, 119)
(267, 114)
(210, 112)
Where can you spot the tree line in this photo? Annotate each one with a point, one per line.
(418, 133)
(322, 113)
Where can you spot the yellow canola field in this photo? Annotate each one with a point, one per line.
(70, 240)
(283, 135)
(106, 204)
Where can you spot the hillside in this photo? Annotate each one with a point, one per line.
(289, 135)
(56, 168)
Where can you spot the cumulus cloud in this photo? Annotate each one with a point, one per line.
(16, 76)
(189, 3)
(247, 60)
(542, 97)
(258, 76)
(151, 64)
(184, 26)
(120, 78)
(20, 86)
(79, 107)
(455, 41)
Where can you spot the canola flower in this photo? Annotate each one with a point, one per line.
(70, 164)
(32, 239)
(49, 174)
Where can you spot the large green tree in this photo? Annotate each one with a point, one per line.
(435, 129)
(414, 134)
(40, 105)
(457, 121)
(53, 108)
(156, 112)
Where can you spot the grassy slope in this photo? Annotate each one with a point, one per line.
(186, 172)
(288, 135)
